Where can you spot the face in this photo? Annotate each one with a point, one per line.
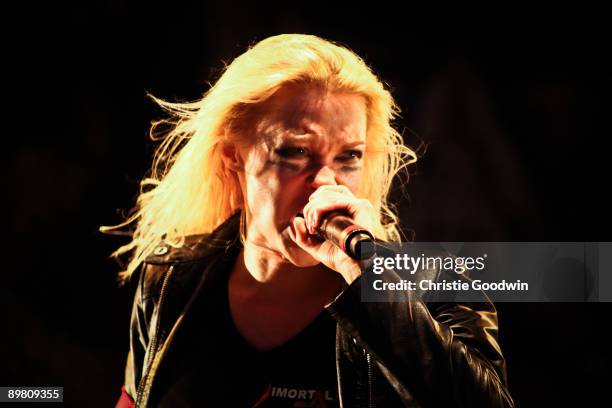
(305, 138)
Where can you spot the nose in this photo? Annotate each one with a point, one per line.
(324, 176)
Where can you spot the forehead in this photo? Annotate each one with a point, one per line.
(316, 113)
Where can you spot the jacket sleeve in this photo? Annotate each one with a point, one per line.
(443, 354)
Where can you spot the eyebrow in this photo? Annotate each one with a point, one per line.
(309, 137)
(357, 143)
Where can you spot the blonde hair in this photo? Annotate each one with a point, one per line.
(189, 190)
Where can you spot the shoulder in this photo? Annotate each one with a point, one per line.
(196, 246)
(184, 260)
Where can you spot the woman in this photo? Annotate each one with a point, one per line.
(237, 303)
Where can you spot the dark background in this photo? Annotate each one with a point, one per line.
(509, 103)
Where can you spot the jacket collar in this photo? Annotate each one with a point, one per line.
(225, 237)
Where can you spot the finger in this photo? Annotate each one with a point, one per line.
(306, 211)
(324, 252)
(303, 238)
(321, 200)
(317, 210)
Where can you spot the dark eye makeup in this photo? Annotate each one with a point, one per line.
(300, 152)
(291, 152)
(290, 156)
(351, 155)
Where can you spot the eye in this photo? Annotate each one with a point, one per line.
(351, 156)
(292, 152)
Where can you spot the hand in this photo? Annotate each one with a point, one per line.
(325, 199)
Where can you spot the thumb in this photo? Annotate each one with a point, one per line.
(324, 251)
(303, 238)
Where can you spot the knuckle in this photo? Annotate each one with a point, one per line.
(322, 189)
(365, 203)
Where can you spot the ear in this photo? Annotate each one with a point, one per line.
(231, 158)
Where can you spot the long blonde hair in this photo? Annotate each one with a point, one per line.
(188, 190)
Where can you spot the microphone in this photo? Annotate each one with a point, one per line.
(354, 240)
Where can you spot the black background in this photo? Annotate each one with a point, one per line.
(508, 101)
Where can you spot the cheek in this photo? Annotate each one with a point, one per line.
(271, 191)
(261, 190)
(352, 180)
(260, 177)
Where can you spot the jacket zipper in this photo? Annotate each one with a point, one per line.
(370, 379)
(338, 377)
(154, 340)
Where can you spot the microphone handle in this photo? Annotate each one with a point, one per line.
(354, 240)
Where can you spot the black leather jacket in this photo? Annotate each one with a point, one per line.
(403, 352)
